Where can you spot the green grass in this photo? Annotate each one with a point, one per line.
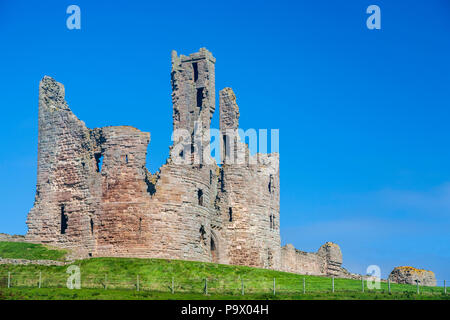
(101, 294)
(29, 251)
(116, 278)
(155, 282)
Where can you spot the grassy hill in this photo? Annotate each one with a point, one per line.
(131, 278)
(29, 251)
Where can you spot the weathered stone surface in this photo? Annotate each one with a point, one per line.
(37, 262)
(327, 261)
(11, 238)
(333, 257)
(95, 196)
(296, 261)
(410, 275)
(248, 195)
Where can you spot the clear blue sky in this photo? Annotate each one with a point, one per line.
(363, 114)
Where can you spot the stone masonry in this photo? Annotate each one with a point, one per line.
(326, 261)
(411, 275)
(95, 196)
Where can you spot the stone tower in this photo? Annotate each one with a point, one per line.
(249, 195)
(66, 189)
(193, 89)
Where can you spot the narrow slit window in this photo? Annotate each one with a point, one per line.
(200, 197)
(222, 182)
(230, 214)
(195, 67)
(140, 226)
(92, 226)
(64, 220)
(213, 245)
(200, 97)
(202, 232)
(225, 148)
(270, 183)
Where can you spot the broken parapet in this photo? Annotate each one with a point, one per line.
(326, 261)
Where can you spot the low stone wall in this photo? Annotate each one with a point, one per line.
(326, 261)
(296, 261)
(27, 262)
(12, 238)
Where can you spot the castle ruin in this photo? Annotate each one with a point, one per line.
(95, 196)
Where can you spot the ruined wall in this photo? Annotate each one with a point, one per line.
(411, 275)
(67, 182)
(11, 238)
(332, 254)
(249, 195)
(193, 89)
(296, 261)
(326, 261)
(185, 192)
(95, 196)
(118, 228)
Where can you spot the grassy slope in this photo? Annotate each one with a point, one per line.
(29, 251)
(100, 294)
(155, 282)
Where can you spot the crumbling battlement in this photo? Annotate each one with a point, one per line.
(326, 261)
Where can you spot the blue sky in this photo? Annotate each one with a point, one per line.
(363, 114)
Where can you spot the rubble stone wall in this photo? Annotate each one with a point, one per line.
(326, 261)
(95, 196)
(411, 275)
